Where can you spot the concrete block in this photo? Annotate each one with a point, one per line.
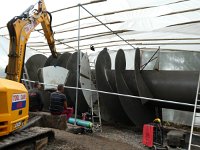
(51, 121)
(176, 138)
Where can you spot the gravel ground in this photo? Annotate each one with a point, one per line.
(123, 135)
(110, 139)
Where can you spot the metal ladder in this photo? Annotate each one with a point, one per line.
(195, 116)
(95, 107)
(96, 115)
(26, 77)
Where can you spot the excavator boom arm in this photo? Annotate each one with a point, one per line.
(20, 28)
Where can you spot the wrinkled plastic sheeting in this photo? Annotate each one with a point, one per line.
(176, 116)
(188, 61)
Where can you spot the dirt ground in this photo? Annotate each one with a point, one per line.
(110, 139)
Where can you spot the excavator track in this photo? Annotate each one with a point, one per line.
(26, 139)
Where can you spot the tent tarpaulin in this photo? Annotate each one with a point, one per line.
(144, 24)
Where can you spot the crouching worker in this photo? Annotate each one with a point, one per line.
(35, 98)
(58, 103)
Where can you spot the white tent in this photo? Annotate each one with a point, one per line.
(170, 24)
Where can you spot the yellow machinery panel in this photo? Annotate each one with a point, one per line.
(14, 104)
(14, 101)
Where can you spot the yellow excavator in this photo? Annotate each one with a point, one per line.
(14, 102)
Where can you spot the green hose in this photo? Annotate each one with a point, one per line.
(80, 122)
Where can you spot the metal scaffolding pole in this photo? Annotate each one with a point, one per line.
(125, 95)
(78, 65)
